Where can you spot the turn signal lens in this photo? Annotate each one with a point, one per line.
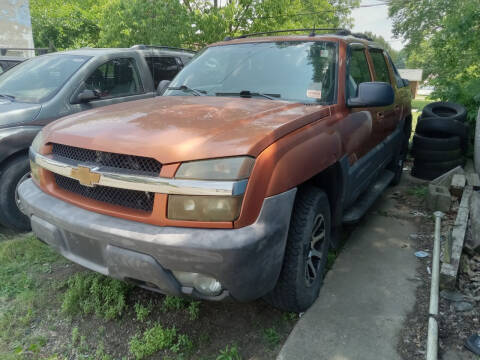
(232, 168)
(37, 142)
(204, 208)
(35, 171)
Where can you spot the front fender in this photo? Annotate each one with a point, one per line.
(15, 139)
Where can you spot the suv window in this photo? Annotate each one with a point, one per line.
(162, 68)
(380, 66)
(115, 78)
(358, 71)
(396, 74)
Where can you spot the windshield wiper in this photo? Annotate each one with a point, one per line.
(186, 88)
(11, 97)
(248, 94)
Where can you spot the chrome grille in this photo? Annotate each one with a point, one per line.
(139, 164)
(131, 199)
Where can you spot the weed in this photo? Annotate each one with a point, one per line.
(183, 344)
(83, 345)
(141, 311)
(173, 303)
(154, 339)
(229, 353)
(91, 293)
(100, 353)
(271, 336)
(75, 335)
(419, 191)
(289, 316)
(194, 310)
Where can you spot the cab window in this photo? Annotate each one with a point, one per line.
(380, 66)
(115, 78)
(358, 71)
(162, 68)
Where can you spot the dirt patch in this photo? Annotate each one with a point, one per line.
(454, 326)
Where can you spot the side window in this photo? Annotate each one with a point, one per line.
(358, 71)
(396, 74)
(380, 66)
(115, 78)
(1, 68)
(162, 68)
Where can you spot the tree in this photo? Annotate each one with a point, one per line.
(442, 37)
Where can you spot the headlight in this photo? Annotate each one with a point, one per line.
(233, 168)
(37, 142)
(204, 208)
(210, 208)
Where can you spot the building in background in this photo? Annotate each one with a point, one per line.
(16, 28)
(414, 76)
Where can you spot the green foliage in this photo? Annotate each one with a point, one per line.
(194, 310)
(419, 191)
(91, 293)
(154, 339)
(188, 23)
(442, 38)
(141, 311)
(271, 336)
(173, 303)
(420, 104)
(229, 353)
(75, 335)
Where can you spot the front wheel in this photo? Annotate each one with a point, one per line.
(306, 252)
(14, 172)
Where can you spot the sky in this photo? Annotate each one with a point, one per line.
(375, 19)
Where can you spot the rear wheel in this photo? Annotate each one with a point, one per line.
(13, 174)
(306, 252)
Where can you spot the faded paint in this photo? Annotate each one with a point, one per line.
(16, 26)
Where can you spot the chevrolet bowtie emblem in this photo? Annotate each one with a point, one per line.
(85, 176)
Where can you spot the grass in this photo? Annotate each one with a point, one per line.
(419, 104)
(229, 353)
(141, 311)
(91, 293)
(419, 191)
(272, 337)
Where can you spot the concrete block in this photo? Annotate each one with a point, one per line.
(448, 271)
(446, 179)
(458, 184)
(474, 242)
(473, 179)
(438, 198)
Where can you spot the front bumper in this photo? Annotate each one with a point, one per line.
(247, 261)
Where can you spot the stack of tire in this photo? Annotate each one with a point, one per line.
(440, 140)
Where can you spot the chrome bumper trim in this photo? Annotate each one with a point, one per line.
(131, 181)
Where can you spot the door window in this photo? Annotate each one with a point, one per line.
(380, 66)
(358, 71)
(115, 78)
(396, 74)
(162, 68)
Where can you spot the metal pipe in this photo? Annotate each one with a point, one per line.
(432, 341)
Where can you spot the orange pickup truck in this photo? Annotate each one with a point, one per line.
(236, 181)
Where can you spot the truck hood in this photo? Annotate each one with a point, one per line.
(16, 113)
(181, 128)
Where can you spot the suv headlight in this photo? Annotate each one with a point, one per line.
(36, 146)
(210, 208)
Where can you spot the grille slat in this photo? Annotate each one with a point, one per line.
(139, 164)
(132, 199)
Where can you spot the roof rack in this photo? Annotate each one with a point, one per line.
(145, 47)
(312, 32)
(345, 32)
(41, 51)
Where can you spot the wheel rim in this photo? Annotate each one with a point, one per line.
(315, 251)
(17, 197)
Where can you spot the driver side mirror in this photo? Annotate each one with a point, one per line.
(371, 94)
(87, 95)
(162, 86)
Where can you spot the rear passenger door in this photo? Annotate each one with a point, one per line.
(116, 80)
(163, 67)
(388, 116)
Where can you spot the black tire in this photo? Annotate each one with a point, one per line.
(437, 127)
(293, 291)
(10, 215)
(432, 170)
(421, 142)
(445, 109)
(437, 156)
(399, 160)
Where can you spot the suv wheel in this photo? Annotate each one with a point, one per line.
(306, 252)
(13, 174)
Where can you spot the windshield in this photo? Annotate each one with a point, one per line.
(38, 79)
(293, 71)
